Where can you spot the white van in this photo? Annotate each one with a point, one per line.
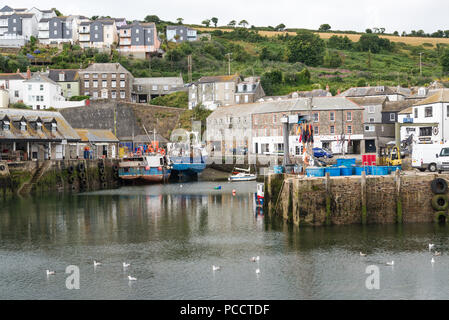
(443, 158)
(424, 156)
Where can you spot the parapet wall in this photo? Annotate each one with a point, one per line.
(396, 198)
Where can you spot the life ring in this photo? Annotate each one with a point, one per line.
(104, 185)
(70, 169)
(103, 178)
(82, 175)
(81, 167)
(83, 182)
(115, 167)
(101, 170)
(71, 179)
(440, 202)
(2, 167)
(438, 186)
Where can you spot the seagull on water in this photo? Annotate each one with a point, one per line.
(362, 254)
(390, 263)
(254, 259)
(126, 265)
(431, 246)
(132, 278)
(432, 261)
(257, 270)
(96, 263)
(49, 273)
(215, 268)
(437, 253)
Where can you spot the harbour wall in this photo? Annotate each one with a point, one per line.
(38, 177)
(396, 198)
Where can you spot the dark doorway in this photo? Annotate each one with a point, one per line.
(370, 146)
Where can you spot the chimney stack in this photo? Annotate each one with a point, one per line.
(327, 87)
(338, 91)
(18, 70)
(28, 73)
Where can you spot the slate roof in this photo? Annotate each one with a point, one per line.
(367, 91)
(63, 132)
(96, 135)
(441, 95)
(396, 106)
(11, 76)
(173, 81)
(369, 101)
(105, 67)
(71, 75)
(229, 78)
(39, 77)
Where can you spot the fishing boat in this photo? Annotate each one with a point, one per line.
(188, 157)
(145, 168)
(240, 174)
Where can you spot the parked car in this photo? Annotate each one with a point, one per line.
(322, 153)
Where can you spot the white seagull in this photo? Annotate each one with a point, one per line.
(362, 254)
(96, 263)
(126, 265)
(215, 268)
(432, 261)
(431, 246)
(132, 278)
(49, 273)
(257, 270)
(254, 259)
(437, 253)
(390, 263)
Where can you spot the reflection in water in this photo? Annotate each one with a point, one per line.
(172, 236)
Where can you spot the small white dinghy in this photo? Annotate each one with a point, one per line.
(239, 174)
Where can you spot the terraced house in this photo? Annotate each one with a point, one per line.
(17, 26)
(106, 81)
(138, 39)
(57, 30)
(68, 79)
(180, 34)
(99, 34)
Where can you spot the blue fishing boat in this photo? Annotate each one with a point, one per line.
(145, 168)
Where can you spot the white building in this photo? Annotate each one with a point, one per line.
(17, 26)
(41, 93)
(13, 83)
(428, 119)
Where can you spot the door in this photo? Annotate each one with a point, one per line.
(113, 151)
(370, 146)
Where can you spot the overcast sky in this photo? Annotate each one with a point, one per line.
(356, 15)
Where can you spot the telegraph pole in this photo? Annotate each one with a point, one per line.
(189, 67)
(229, 63)
(420, 63)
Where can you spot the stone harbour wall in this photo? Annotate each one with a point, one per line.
(396, 198)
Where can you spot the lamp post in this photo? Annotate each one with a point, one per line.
(284, 121)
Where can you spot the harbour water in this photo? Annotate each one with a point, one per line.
(172, 235)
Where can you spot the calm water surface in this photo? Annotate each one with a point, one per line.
(172, 236)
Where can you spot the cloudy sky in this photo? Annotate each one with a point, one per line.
(357, 15)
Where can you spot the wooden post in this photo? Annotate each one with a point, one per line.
(327, 183)
(397, 180)
(363, 197)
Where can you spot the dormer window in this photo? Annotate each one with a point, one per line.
(6, 125)
(54, 126)
(380, 89)
(61, 76)
(23, 125)
(38, 126)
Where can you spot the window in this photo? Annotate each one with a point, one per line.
(104, 94)
(349, 129)
(41, 88)
(371, 109)
(69, 86)
(425, 131)
(16, 93)
(315, 130)
(332, 129)
(14, 28)
(416, 112)
(274, 118)
(122, 76)
(349, 116)
(23, 125)
(86, 93)
(14, 20)
(95, 75)
(113, 83)
(371, 119)
(114, 76)
(122, 83)
(61, 76)
(428, 112)
(447, 110)
(86, 84)
(86, 76)
(370, 128)
(30, 87)
(95, 84)
(392, 117)
(332, 116)
(104, 75)
(166, 88)
(122, 94)
(68, 32)
(137, 39)
(96, 36)
(315, 117)
(104, 83)
(137, 30)
(113, 94)
(5, 125)
(444, 152)
(55, 24)
(95, 94)
(96, 28)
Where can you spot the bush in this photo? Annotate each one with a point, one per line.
(79, 98)
(20, 105)
(306, 47)
(176, 100)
